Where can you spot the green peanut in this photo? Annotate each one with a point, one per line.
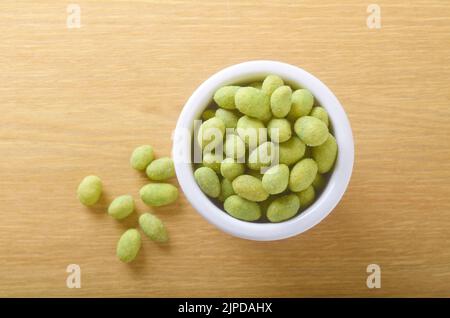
(263, 156)
(121, 207)
(267, 118)
(280, 101)
(228, 117)
(89, 190)
(302, 175)
(320, 113)
(271, 83)
(234, 146)
(141, 157)
(312, 131)
(208, 181)
(230, 169)
(226, 190)
(224, 97)
(306, 197)
(282, 127)
(252, 131)
(302, 103)
(158, 194)
(161, 169)
(208, 114)
(325, 154)
(250, 188)
(291, 151)
(211, 131)
(212, 161)
(153, 227)
(252, 102)
(242, 209)
(283, 208)
(319, 182)
(276, 179)
(129, 245)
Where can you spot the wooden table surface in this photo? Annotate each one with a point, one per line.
(77, 101)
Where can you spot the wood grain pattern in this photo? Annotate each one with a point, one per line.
(77, 101)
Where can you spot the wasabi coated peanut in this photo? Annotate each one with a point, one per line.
(208, 114)
(121, 207)
(276, 179)
(302, 175)
(267, 118)
(263, 156)
(129, 245)
(234, 146)
(291, 151)
(228, 117)
(325, 154)
(302, 103)
(279, 126)
(212, 161)
(271, 83)
(319, 182)
(208, 181)
(89, 190)
(153, 227)
(141, 157)
(230, 169)
(312, 131)
(250, 188)
(283, 208)
(251, 130)
(226, 190)
(306, 197)
(242, 209)
(158, 194)
(161, 169)
(211, 131)
(320, 113)
(280, 101)
(252, 102)
(224, 97)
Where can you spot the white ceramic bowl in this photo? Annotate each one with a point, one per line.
(245, 73)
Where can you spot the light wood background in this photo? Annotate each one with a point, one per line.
(77, 101)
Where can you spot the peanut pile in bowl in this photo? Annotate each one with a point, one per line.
(263, 152)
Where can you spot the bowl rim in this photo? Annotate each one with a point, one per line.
(337, 182)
